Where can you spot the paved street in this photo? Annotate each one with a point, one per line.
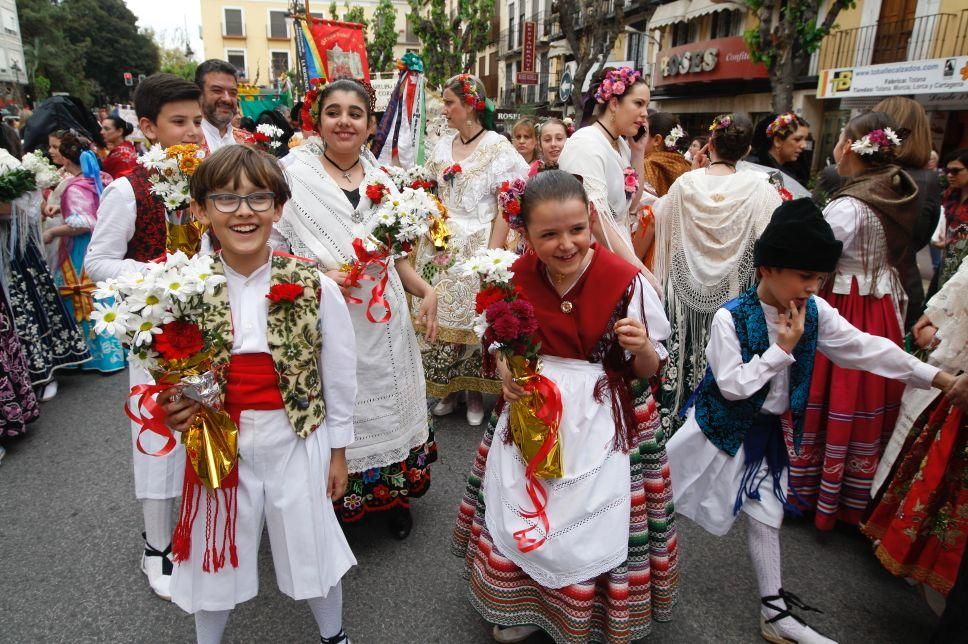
(70, 543)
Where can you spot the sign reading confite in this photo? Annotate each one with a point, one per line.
(710, 60)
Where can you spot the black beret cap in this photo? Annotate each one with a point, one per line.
(798, 237)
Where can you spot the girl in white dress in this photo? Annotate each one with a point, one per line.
(389, 462)
(470, 167)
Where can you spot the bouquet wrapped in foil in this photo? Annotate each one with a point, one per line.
(171, 170)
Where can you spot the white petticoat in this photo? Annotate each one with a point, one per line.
(155, 477)
(588, 509)
(705, 480)
(282, 483)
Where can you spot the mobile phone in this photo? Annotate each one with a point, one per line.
(638, 135)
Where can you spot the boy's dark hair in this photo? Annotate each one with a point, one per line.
(159, 89)
(550, 185)
(214, 65)
(226, 166)
(733, 141)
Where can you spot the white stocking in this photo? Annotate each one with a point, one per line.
(158, 521)
(210, 624)
(328, 611)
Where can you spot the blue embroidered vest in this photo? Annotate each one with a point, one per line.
(725, 422)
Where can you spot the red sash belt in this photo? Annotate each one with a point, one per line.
(251, 382)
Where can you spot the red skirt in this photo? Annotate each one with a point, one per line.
(921, 518)
(849, 420)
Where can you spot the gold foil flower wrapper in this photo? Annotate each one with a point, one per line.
(183, 233)
(536, 416)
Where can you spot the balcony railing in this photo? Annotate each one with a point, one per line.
(933, 36)
(545, 91)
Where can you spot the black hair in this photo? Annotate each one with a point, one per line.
(247, 124)
(663, 123)
(733, 142)
(551, 185)
(958, 155)
(159, 89)
(214, 65)
(273, 117)
(72, 144)
(592, 109)
(295, 114)
(120, 124)
(346, 85)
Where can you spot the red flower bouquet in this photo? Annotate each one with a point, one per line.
(179, 340)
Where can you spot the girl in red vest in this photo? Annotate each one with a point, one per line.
(608, 559)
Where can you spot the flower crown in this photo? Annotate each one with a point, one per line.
(468, 89)
(783, 125)
(673, 137)
(616, 83)
(311, 100)
(509, 199)
(720, 123)
(883, 141)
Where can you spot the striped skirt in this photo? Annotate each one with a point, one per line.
(617, 606)
(849, 420)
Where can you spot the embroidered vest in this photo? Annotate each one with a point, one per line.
(294, 339)
(151, 232)
(725, 422)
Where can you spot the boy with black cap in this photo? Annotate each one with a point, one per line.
(730, 455)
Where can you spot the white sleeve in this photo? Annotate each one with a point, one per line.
(738, 380)
(644, 298)
(851, 348)
(844, 219)
(337, 363)
(116, 217)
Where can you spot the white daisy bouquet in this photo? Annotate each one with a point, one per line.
(507, 324)
(416, 177)
(20, 177)
(45, 174)
(160, 316)
(170, 171)
(268, 137)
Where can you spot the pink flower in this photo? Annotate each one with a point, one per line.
(618, 88)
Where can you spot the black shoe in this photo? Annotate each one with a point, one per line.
(339, 638)
(400, 523)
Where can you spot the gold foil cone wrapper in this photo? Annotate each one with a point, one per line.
(185, 237)
(211, 442)
(528, 432)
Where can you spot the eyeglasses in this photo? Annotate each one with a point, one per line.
(257, 201)
(953, 171)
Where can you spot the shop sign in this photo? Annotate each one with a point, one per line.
(527, 75)
(717, 59)
(933, 76)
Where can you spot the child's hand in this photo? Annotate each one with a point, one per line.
(958, 392)
(791, 327)
(924, 331)
(701, 159)
(336, 486)
(511, 390)
(179, 412)
(339, 277)
(631, 335)
(427, 314)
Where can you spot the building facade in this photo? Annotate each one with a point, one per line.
(13, 71)
(257, 35)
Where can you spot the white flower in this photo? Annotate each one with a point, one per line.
(142, 330)
(863, 147)
(149, 304)
(674, 136)
(176, 286)
(45, 174)
(269, 130)
(892, 136)
(154, 157)
(473, 266)
(111, 319)
(8, 162)
(106, 290)
(498, 264)
(480, 325)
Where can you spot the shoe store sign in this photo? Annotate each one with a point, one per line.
(933, 76)
(718, 59)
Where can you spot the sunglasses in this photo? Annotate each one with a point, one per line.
(953, 171)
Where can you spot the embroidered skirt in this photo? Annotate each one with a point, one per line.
(849, 420)
(921, 518)
(18, 404)
(616, 606)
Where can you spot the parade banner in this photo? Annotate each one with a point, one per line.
(934, 76)
(334, 49)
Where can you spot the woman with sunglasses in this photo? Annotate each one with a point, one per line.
(955, 201)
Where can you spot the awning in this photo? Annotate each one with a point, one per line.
(668, 14)
(702, 7)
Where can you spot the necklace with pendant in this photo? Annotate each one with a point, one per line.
(345, 171)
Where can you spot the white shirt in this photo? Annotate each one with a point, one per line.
(116, 217)
(214, 139)
(337, 360)
(837, 339)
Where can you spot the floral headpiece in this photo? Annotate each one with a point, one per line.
(720, 123)
(615, 83)
(410, 62)
(875, 141)
(311, 101)
(509, 199)
(783, 125)
(569, 125)
(673, 137)
(468, 90)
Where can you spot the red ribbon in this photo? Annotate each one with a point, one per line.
(550, 414)
(364, 259)
(155, 421)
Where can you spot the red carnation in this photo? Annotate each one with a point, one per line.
(487, 297)
(178, 340)
(375, 192)
(513, 207)
(524, 313)
(469, 99)
(480, 105)
(285, 293)
(456, 168)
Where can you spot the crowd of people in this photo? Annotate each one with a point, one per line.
(722, 341)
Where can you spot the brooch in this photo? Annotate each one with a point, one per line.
(567, 306)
